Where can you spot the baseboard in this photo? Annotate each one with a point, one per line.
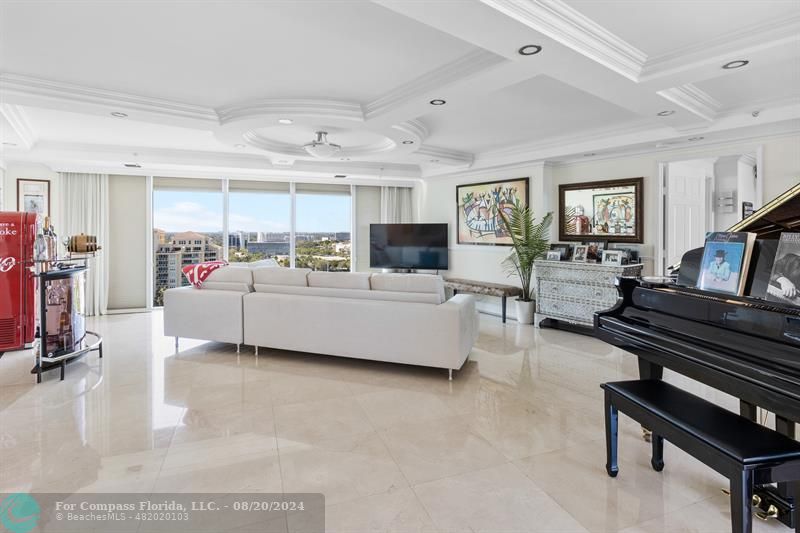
(127, 311)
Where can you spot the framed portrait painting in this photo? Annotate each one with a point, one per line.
(479, 206)
(33, 196)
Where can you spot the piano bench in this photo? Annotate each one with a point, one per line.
(745, 452)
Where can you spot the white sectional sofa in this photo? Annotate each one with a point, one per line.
(402, 318)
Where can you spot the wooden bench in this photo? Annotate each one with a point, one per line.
(743, 451)
(483, 287)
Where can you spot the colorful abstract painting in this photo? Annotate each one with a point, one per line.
(479, 206)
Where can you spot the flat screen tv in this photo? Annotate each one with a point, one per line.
(412, 246)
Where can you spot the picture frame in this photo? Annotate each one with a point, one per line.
(609, 210)
(612, 257)
(579, 255)
(477, 210)
(554, 255)
(564, 249)
(594, 251)
(33, 196)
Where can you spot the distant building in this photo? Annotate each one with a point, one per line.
(342, 236)
(186, 248)
(269, 249)
(238, 239)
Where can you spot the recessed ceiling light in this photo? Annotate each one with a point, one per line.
(695, 139)
(590, 154)
(434, 160)
(665, 113)
(133, 165)
(119, 114)
(345, 159)
(285, 121)
(408, 142)
(438, 101)
(529, 50)
(9, 144)
(339, 176)
(240, 146)
(739, 63)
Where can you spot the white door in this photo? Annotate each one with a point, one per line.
(685, 212)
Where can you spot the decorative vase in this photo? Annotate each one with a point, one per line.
(525, 311)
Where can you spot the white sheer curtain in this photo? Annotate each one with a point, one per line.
(84, 208)
(396, 205)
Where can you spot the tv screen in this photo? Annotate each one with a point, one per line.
(417, 246)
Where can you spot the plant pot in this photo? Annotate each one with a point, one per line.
(525, 311)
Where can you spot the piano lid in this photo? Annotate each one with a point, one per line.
(781, 214)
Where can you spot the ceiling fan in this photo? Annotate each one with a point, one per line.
(320, 147)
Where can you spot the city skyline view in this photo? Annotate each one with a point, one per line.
(201, 211)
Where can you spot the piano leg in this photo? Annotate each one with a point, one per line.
(649, 370)
(787, 490)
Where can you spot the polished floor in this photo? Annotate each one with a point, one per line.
(515, 443)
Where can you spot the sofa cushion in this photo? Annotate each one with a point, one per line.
(281, 276)
(339, 280)
(416, 283)
(227, 286)
(330, 292)
(230, 275)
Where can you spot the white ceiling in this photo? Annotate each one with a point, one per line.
(197, 78)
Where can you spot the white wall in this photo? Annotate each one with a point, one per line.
(127, 253)
(436, 197)
(726, 182)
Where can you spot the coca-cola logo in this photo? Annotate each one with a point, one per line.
(7, 231)
(7, 263)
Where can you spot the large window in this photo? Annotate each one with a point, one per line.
(323, 227)
(259, 221)
(187, 228)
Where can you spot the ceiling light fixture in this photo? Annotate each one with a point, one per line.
(695, 139)
(590, 154)
(285, 121)
(340, 176)
(9, 144)
(119, 114)
(529, 50)
(438, 101)
(665, 113)
(408, 142)
(320, 147)
(739, 63)
(133, 165)
(434, 160)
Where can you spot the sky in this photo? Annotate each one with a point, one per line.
(202, 211)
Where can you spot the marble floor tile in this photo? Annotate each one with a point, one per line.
(309, 422)
(396, 511)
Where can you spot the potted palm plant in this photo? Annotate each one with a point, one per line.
(530, 241)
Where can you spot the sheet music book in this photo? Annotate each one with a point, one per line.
(726, 259)
(784, 281)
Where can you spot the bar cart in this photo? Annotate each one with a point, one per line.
(61, 334)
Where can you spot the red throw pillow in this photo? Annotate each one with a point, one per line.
(197, 274)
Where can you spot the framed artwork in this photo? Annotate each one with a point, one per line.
(612, 257)
(554, 255)
(604, 210)
(478, 206)
(580, 253)
(33, 196)
(564, 249)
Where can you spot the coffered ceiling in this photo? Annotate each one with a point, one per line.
(187, 86)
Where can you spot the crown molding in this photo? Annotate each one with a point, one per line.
(729, 46)
(694, 100)
(23, 86)
(463, 67)
(331, 109)
(562, 23)
(748, 159)
(16, 118)
(444, 156)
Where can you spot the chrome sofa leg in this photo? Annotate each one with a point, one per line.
(256, 351)
(176, 344)
(450, 374)
(238, 347)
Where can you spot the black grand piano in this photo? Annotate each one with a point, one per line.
(745, 346)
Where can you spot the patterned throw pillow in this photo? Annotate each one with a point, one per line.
(197, 273)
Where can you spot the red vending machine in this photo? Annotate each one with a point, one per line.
(17, 235)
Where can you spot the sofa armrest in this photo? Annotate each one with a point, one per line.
(466, 313)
